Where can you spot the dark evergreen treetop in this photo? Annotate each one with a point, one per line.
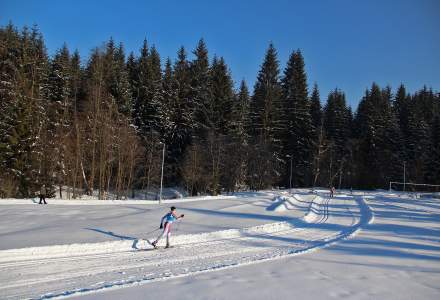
(401, 106)
(155, 65)
(133, 76)
(240, 114)
(315, 107)
(222, 96)
(337, 120)
(182, 75)
(182, 119)
(295, 79)
(380, 138)
(167, 75)
(149, 90)
(200, 64)
(121, 89)
(266, 109)
(200, 91)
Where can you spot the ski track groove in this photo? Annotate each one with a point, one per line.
(139, 267)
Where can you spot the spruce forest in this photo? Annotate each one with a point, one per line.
(99, 124)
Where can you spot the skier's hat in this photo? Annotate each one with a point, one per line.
(172, 207)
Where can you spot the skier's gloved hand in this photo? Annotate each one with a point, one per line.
(182, 215)
(161, 226)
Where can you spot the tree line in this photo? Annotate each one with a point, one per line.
(99, 127)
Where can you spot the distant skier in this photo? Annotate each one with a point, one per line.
(169, 218)
(43, 195)
(332, 192)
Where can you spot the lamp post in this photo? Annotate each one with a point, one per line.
(404, 175)
(161, 175)
(290, 178)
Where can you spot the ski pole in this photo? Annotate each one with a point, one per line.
(178, 225)
(153, 231)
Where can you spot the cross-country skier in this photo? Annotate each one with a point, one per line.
(332, 192)
(169, 218)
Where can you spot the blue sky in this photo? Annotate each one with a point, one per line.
(346, 44)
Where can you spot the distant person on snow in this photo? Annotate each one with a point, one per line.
(42, 195)
(332, 192)
(169, 218)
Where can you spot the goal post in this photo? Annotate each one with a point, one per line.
(414, 187)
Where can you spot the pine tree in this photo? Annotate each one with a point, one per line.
(24, 69)
(59, 109)
(315, 108)
(425, 105)
(266, 101)
(140, 86)
(235, 169)
(299, 132)
(9, 95)
(133, 80)
(200, 91)
(392, 148)
(240, 115)
(35, 66)
(169, 130)
(337, 130)
(365, 134)
(77, 99)
(319, 142)
(122, 90)
(266, 113)
(218, 122)
(433, 162)
(183, 103)
(415, 114)
(147, 87)
(167, 110)
(379, 137)
(155, 92)
(401, 105)
(417, 142)
(219, 109)
(76, 81)
(182, 112)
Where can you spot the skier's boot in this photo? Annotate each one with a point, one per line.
(168, 246)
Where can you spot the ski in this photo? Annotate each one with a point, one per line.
(151, 244)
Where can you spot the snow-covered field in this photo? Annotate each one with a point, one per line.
(268, 245)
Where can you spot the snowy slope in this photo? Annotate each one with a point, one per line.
(30, 225)
(251, 232)
(395, 257)
(68, 269)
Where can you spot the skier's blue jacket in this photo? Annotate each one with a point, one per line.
(169, 218)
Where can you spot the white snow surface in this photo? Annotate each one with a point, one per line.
(268, 245)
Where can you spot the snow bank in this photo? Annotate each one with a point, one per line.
(74, 250)
(315, 206)
(284, 203)
(70, 250)
(315, 209)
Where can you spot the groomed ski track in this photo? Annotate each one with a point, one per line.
(55, 272)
